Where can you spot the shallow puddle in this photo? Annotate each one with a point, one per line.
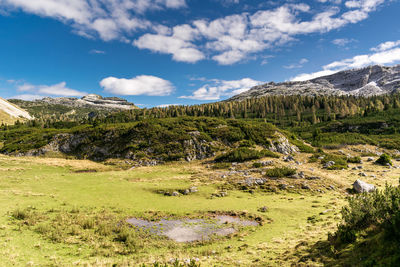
(190, 230)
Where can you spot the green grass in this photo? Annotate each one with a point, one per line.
(51, 191)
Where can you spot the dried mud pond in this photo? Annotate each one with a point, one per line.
(191, 230)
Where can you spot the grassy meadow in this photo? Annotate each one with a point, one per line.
(59, 212)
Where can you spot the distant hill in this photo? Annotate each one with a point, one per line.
(9, 113)
(369, 81)
(74, 108)
(91, 101)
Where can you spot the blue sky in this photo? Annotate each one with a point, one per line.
(160, 52)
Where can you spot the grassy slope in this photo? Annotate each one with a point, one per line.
(47, 184)
(6, 118)
(27, 182)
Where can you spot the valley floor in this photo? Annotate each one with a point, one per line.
(60, 190)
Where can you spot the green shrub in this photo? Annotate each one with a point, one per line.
(257, 165)
(354, 160)
(221, 165)
(379, 210)
(242, 154)
(384, 160)
(247, 143)
(280, 172)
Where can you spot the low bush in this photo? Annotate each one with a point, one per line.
(354, 160)
(280, 172)
(379, 210)
(384, 160)
(243, 154)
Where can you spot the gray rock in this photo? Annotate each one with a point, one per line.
(282, 145)
(361, 187)
(193, 189)
(329, 164)
(288, 158)
(305, 186)
(362, 174)
(370, 159)
(175, 194)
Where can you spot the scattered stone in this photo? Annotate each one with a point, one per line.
(305, 186)
(288, 158)
(361, 187)
(362, 174)
(370, 159)
(301, 175)
(193, 189)
(360, 167)
(263, 209)
(321, 158)
(331, 187)
(220, 194)
(266, 163)
(174, 194)
(283, 186)
(329, 164)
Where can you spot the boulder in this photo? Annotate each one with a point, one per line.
(361, 187)
(283, 146)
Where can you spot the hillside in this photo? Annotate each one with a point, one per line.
(69, 108)
(9, 113)
(369, 81)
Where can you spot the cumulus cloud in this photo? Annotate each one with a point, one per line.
(59, 89)
(109, 20)
(386, 54)
(221, 88)
(226, 40)
(252, 33)
(386, 46)
(139, 85)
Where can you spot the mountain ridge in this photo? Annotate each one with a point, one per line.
(11, 112)
(364, 82)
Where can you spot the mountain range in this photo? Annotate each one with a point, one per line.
(369, 81)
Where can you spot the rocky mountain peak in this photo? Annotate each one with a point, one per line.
(368, 81)
(91, 100)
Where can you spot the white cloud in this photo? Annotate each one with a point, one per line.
(227, 40)
(252, 33)
(59, 89)
(222, 88)
(297, 65)
(139, 85)
(109, 20)
(95, 51)
(342, 41)
(386, 46)
(387, 56)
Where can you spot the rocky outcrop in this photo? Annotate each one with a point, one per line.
(282, 145)
(369, 81)
(91, 101)
(361, 187)
(13, 110)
